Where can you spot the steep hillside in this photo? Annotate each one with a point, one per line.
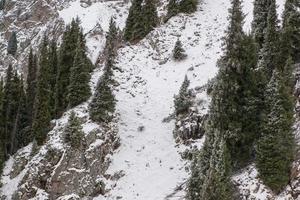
(135, 157)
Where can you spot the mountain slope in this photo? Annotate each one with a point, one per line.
(148, 164)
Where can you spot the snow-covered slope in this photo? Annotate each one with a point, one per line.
(148, 162)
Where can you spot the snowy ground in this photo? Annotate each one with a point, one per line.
(149, 79)
(150, 159)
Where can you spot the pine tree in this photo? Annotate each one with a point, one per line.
(269, 52)
(79, 90)
(103, 103)
(2, 152)
(291, 30)
(183, 100)
(73, 132)
(111, 39)
(21, 126)
(179, 52)
(42, 112)
(53, 61)
(188, 6)
(150, 18)
(134, 28)
(12, 44)
(66, 60)
(31, 84)
(260, 18)
(276, 147)
(2, 4)
(173, 9)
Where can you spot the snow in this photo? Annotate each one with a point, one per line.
(10, 185)
(148, 82)
(150, 159)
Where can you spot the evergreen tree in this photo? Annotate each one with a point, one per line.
(276, 147)
(79, 89)
(173, 9)
(183, 100)
(188, 6)
(12, 44)
(269, 52)
(2, 152)
(53, 62)
(103, 103)
(111, 39)
(291, 30)
(150, 18)
(21, 127)
(42, 112)
(73, 131)
(66, 60)
(260, 18)
(179, 52)
(2, 4)
(134, 28)
(31, 84)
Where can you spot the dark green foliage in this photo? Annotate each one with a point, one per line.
(276, 147)
(183, 6)
(269, 52)
(133, 23)
(179, 52)
(173, 9)
(112, 39)
(21, 127)
(183, 101)
(73, 132)
(259, 23)
(31, 84)
(66, 60)
(79, 89)
(12, 44)
(103, 103)
(53, 63)
(141, 20)
(42, 111)
(188, 6)
(2, 4)
(291, 30)
(150, 18)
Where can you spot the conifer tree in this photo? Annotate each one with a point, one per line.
(276, 147)
(183, 100)
(179, 52)
(42, 112)
(173, 9)
(12, 44)
(2, 152)
(291, 30)
(188, 6)
(150, 18)
(53, 62)
(2, 4)
(103, 103)
(73, 132)
(260, 18)
(111, 39)
(79, 90)
(21, 127)
(133, 28)
(269, 52)
(31, 84)
(66, 60)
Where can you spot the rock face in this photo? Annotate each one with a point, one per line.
(57, 170)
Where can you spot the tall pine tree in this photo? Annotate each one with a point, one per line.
(276, 147)
(259, 23)
(12, 44)
(42, 111)
(79, 89)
